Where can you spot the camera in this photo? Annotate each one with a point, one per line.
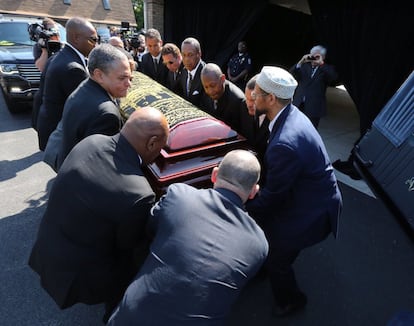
(135, 42)
(311, 57)
(38, 31)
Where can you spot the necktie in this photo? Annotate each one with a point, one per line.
(189, 81)
(215, 104)
(155, 65)
(175, 75)
(313, 71)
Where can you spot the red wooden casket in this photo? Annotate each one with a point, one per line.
(197, 141)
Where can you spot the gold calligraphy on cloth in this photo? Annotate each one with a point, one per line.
(147, 92)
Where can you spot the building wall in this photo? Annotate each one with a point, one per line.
(154, 15)
(121, 10)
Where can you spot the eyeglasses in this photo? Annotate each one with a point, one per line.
(93, 39)
(254, 95)
(169, 62)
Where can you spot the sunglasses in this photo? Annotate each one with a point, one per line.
(93, 39)
(169, 62)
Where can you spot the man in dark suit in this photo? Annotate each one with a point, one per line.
(205, 249)
(225, 101)
(64, 74)
(299, 202)
(151, 62)
(172, 59)
(191, 88)
(313, 76)
(261, 123)
(96, 214)
(92, 107)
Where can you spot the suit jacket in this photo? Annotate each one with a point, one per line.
(231, 109)
(173, 79)
(196, 90)
(147, 67)
(88, 110)
(205, 249)
(261, 135)
(95, 218)
(63, 75)
(300, 202)
(310, 95)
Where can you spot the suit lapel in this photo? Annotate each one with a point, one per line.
(280, 120)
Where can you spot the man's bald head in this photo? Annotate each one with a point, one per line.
(81, 34)
(239, 171)
(211, 70)
(147, 131)
(116, 42)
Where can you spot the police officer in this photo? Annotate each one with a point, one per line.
(239, 66)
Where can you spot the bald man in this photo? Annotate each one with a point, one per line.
(205, 249)
(225, 101)
(63, 74)
(116, 42)
(93, 226)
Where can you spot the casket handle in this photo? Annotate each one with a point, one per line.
(365, 163)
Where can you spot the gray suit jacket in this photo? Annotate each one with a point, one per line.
(205, 250)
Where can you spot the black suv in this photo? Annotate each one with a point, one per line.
(19, 77)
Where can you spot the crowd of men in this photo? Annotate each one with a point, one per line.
(184, 259)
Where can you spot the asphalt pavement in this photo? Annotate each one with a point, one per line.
(360, 279)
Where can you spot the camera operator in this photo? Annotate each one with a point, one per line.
(47, 43)
(45, 35)
(313, 76)
(137, 47)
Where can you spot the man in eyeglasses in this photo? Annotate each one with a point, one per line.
(173, 60)
(63, 74)
(300, 202)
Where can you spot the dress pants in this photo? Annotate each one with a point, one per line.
(282, 276)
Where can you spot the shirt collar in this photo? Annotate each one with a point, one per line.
(192, 72)
(272, 123)
(80, 55)
(157, 57)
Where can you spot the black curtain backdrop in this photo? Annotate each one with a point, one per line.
(218, 25)
(371, 43)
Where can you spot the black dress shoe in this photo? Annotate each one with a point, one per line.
(346, 167)
(290, 308)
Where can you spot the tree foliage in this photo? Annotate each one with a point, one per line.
(138, 6)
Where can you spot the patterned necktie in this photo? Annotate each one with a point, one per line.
(189, 82)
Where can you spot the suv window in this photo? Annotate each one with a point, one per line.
(14, 33)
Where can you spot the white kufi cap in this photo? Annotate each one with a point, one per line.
(277, 81)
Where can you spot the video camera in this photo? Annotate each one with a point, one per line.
(135, 42)
(38, 31)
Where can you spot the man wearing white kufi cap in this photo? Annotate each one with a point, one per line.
(300, 202)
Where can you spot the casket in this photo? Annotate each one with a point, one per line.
(197, 141)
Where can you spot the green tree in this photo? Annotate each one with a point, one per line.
(138, 6)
